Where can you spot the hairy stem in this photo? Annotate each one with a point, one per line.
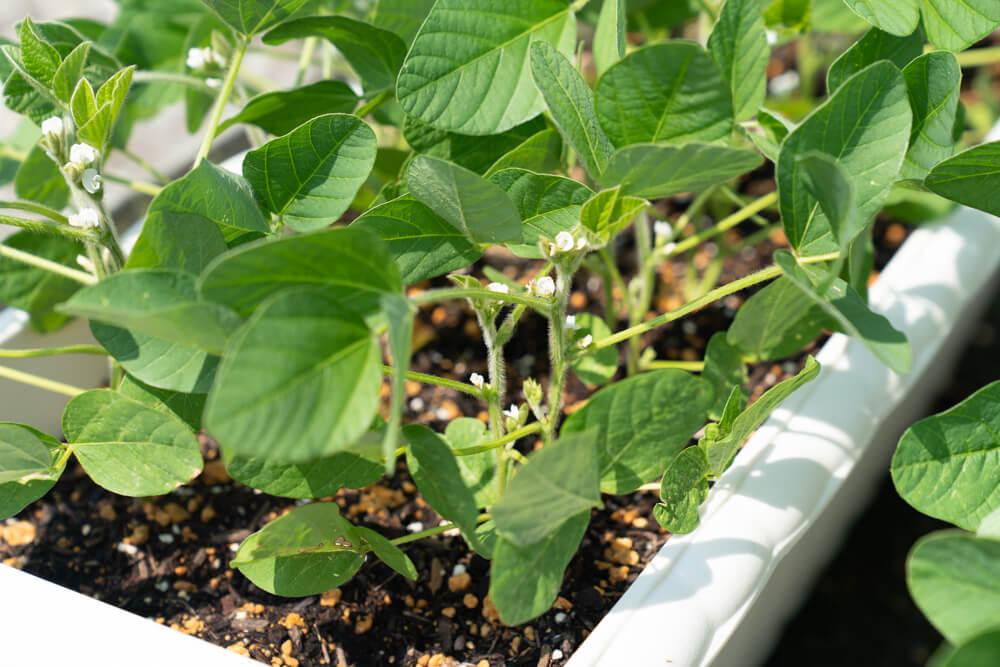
(373, 104)
(438, 381)
(220, 102)
(31, 207)
(557, 351)
(47, 227)
(641, 288)
(436, 530)
(513, 436)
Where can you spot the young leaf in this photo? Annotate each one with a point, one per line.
(541, 152)
(956, 26)
(899, 17)
(606, 213)
(524, 581)
(310, 176)
(27, 454)
(298, 382)
(313, 479)
(721, 452)
(35, 290)
(249, 17)
(594, 367)
(437, 475)
(776, 322)
(281, 111)
(477, 470)
(466, 71)
(38, 179)
(571, 104)
(933, 82)
(128, 448)
(671, 92)
(70, 71)
(739, 45)
(609, 35)
(83, 103)
(422, 243)
(562, 477)
(874, 46)
(465, 200)
(402, 17)
(109, 100)
(658, 170)
(388, 553)
(40, 59)
(305, 552)
(683, 490)
(375, 54)
(725, 371)
(943, 465)
(865, 127)
(635, 439)
(970, 178)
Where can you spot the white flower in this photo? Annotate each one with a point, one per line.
(85, 219)
(477, 380)
(52, 126)
(571, 323)
(662, 229)
(586, 341)
(544, 286)
(499, 288)
(212, 56)
(772, 37)
(564, 241)
(82, 154)
(195, 58)
(86, 264)
(513, 411)
(91, 180)
(581, 243)
(212, 82)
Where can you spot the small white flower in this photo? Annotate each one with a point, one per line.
(513, 411)
(662, 229)
(586, 341)
(82, 154)
(544, 286)
(212, 82)
(564, 241)
(477, 380)
(499, 288)
(85, 219)
(571, 323)
(195, 58)
(86, 264)
(52, 127)
(772, 37)
(581, 243)
(91, 180)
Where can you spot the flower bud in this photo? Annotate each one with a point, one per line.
(499, 288)
(477, 380)
(87, 218)
(91, 180)
(544, 286)
(82, 155)
(52, 127)
(564, 241)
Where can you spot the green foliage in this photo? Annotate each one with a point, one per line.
(249, 17)
(683, 490)
(874, 46)
(282, 111)
(776, 322)
(38, 179)
(35, 290)
(659, 170)
(969, 178)
(738, 44)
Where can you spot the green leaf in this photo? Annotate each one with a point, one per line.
(955, 580)
(971, 178)
(874, 46)
(15, 496)
(981, 651)
(375, 54)
(956, 25)
(281, 111)
(739, 45)
(791, 14)
(314, 479)
(39, 179)
(658, 170)
(35, 290)
(305, 552)
(642, 423)
(562, 477)
(436, 472)
(724, 370)
(70, 71)
(310, 176)
(571, 104)
(109, 100)
(466, 71)
(388, 553)
(156, 302)
(249, 17)
(83, 103)
(476, 154)
(831, 187)
(465, 200)
(524, 581)
(865, 127)
(594, 367)
(186, 407)
(40, 59)
(609, 35)
(772, 132)
(776, 322)
(933, 82)
(721, 452)
(27, 454)
(842, 302)
(403, 17)
(899, 17)
(422, 243)
(945, 465)
(683, 489)
(540, 152)
(477, 470)
(606, 213)
(299, 381)
(671, 92)
(127, 447)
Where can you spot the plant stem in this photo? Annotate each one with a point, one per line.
(150, 76)
(64, 457)
(220, 102)
(659, 365)
(374, 103)
(699, 303)
(436, 530)
(615, 280)
(48, 265)
(47, 227)
(979, 57)
(32, 207)
(726, 223)
(557, 350)
(448, 293)
(438, 381)
(150, 189)
(513, 436)
(52, 351)
(305, 60)
(40, 382)
(642, 295)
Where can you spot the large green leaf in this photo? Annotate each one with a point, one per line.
(465, 200)
(958, 24)
(15, 496)
(899, 17)
(310, 176)
(947, 465)
(562, 477)
(833, 190)
(39, 179)
(281, 111)
(865, 127)
(477, 470)
(672, 92)
(422, 243)
(683, 489)
(739, 45)
(27, 454)
(307, 551)
(955, 580)
(609, 35)
(933, 82)
(571, 103)
(250, 17)
(127, 447)
(641, 423)
(467, 69)
(35, 290)
(299, 382)
(375, 54)
(156, 302)
(776, 322)
(313, 479)
(437, 475)
(874, 46)
(403, 17)
(524, 581)
(186, 407)
(981, 651)
(659, 170)
(547, 204)
(971, 178)
(476, 154)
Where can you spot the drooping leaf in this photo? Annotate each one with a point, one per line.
(437, 475)
(127, 447)
(281, 111)
(899, 17)
(636, 440)
(594, 367)
(724, 370)
(313, 479)
(933, 82)
(739, 45)
(310, 175)
(547, 205)
(670, 92)
(970, 178)
(250, 17)
(186, 407)
(606, 213)
(388, 553)
(38, 179)
(466, 70)
(609, 35)
(874, 46)
(27, 454)
(36, 290)
(957, 25)
(683, 490)
(402, 17)
(776, 322)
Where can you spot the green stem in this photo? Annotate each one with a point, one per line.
(150, 76)
(513, 436)
(40, 382)
(305, 60)
(32, 207)
(67, 451)
(699, 303)
(643, 295)
(52, 351)
(13, 154)
(437, 381)
(616, 280)
(732, 196)
(220, 102)
(436, 530)
(47, 227)
(150, 169)
(726, 223)
(374, 103)
(48, 265)
(979, 57)
(557, 351)
(449, 293)
(659, 365)
(150, 189)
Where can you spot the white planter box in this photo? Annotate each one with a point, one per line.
(715, 597)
